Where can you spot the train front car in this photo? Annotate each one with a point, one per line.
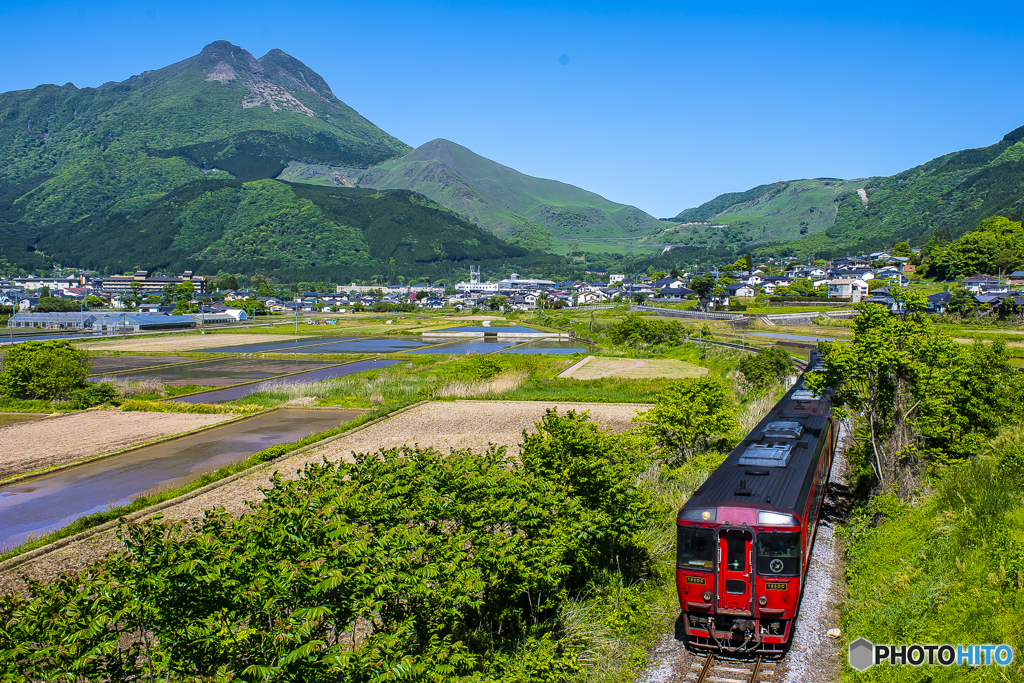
(745, 536)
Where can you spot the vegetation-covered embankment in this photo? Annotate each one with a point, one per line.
(935, 551)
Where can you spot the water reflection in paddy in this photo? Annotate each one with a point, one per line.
(549, 346)
(473, 346)
(221, 372)
(49, 502)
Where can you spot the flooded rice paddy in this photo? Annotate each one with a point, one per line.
(543, 346)
(51, 501)
(470, 346)
(221, 372)
(330, 372)
(100, 365)
(388, 345)
(16, 418)
(275, 346)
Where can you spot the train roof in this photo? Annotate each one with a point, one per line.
(772, 467)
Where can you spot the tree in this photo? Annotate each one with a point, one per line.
(962, 301)
(44, 292)
(43, 370)
(690, 417)
(703, 285)
(761, 370)
(749, 262)
(675, 273)
(496, 303)
(229, 282)
(919, 399)
(52, 304)
(901, 249)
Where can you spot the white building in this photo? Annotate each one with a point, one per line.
(847, 288)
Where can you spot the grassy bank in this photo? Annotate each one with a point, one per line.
(947, 569)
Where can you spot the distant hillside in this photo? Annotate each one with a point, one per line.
(292, 232)
(946, 196)
(534, 212)
(766, 214)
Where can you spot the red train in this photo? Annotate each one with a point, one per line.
(745, 536)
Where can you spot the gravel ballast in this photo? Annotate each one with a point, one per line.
(442, 425)
(29, 446)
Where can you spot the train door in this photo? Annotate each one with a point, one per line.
(734, 575)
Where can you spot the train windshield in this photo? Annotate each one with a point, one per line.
(695, 548)
(778, 553)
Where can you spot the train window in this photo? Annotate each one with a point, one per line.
(736, 551)
(735, 587)
(778, 553)
(695, 548)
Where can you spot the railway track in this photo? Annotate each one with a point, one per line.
(713, 669)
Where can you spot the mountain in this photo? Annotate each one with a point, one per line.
(222, 113)
(175, 168)
(946, 196)
(530, 211)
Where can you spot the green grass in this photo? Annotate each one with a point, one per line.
(948, 569)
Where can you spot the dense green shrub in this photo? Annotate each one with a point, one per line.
(43, 370)
(405, 564)
(691, 417)
(95, 394)
(762, 370)
(637, 330)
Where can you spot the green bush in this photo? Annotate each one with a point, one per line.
(636, 330)
(405, 564)
(762, 370)
(43, 370)
(96, 394)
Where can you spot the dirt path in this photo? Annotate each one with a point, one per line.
(33, 445)
(456, 424)
(813, 657)
(185, 342)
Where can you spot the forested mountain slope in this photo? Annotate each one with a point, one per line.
(534, 212)
(292, 232)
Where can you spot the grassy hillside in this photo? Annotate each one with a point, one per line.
(533, 212)
(765, 215)
(291, 232)
(946, 196)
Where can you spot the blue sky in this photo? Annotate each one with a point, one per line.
(661, 105)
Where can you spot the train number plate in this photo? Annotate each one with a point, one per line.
(776, 586)
(695, 579)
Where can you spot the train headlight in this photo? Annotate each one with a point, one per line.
(768, 518)
(699, 514)
(707, 596)
(763, 600)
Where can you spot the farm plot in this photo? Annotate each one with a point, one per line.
(596, 367)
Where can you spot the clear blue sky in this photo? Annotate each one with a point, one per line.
(661, 105)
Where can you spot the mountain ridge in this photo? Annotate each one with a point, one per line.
(946, 196)
(535, 212)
